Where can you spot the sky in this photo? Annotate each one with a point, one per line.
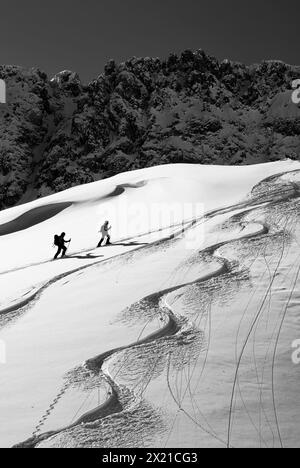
(83, 35)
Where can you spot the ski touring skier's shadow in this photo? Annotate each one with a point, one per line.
(93, 257)
(83, 257)
(127, 244)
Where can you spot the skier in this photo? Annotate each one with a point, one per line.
(105, 234)
(60, 242)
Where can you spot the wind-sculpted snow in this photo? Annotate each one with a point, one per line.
(32, 217)
(43, 213)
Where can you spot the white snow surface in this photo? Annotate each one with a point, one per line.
(56, 315)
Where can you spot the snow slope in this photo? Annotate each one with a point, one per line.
(189, 297)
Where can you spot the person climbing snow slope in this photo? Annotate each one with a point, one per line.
(105, 234)
(59, 242)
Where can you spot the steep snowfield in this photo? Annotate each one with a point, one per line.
(196, 324)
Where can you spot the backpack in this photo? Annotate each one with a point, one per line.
(56, 240)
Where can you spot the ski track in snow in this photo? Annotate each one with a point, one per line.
(174, 323)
